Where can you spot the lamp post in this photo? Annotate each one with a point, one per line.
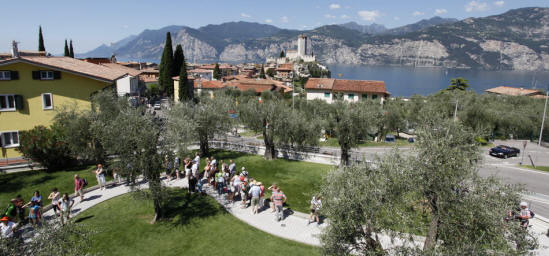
(543, 119)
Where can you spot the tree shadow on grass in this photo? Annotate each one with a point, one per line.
(225, 155)
(183, 207)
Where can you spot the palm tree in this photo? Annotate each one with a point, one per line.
(459, 83)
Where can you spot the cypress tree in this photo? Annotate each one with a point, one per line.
(71, 51)
(282, 54)
(166, 67)
(41, 46)
(178, 60)
(217, 72)
(262, 72)
(186, 90)
(67, 53)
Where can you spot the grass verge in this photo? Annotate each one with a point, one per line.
(196, 225)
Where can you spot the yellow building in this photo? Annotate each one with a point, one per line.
(32, 88)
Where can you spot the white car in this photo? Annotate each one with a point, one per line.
(157, 106)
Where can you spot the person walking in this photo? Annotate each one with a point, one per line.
(34, 212)
(255, 193)
(261, 195)
(54, 197)
(100, 175)
(78, 187)
(279, 199)
(196, 158)
(316, 204)
(272, 188)
(220, 182)
(19, 203)
(65, 204)
(117, 178)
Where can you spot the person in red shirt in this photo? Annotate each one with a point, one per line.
(78, 187)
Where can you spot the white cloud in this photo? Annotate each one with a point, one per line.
(344, 16)
(244, 15)
(499, 3)
(328, 16)
(284, 19)
(440, 11)
(396, 18)
(335, 6)
(369, 15)
(418, 13)
(476, 6)
(269, 21)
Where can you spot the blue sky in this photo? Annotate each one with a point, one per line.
(92, 23)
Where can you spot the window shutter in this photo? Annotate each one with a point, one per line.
(56, 74)
(19, 104)
(14, 75)
(36, 75)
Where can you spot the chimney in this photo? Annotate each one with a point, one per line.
(14, 50)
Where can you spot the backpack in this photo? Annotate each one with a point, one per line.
(84, 182)
(532, 214)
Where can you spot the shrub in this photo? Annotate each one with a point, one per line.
(44, 145)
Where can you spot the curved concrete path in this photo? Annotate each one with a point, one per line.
(293, 227)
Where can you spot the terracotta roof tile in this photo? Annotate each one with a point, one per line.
(122, 68)
(363, 86)
(506, 90)
(320, 83)
(71, 65)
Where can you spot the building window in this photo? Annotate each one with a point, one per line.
(364, 96)
(46, 75)
(10, 139)
(351, 96)
(374, 96)
(47, 101)
(5, 75)
(326, 95)
(7, 102)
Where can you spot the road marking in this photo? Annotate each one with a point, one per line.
(520, 169)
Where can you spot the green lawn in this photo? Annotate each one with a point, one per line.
(539, 168)
(25, 183)
(298, 180)
(332, 142)
(197, 225)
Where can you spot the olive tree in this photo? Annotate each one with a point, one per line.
(134, 137)
(189, 121)
(352, 122)
(465, 212)
(279, 124)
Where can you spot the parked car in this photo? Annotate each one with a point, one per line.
(504, 151)
(390, 138)
(157, 106)
(411, 140)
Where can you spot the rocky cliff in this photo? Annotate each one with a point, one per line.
(517, 39)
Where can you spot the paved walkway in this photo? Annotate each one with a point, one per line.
(293, 227)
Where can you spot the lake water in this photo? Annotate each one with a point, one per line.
(407, 81)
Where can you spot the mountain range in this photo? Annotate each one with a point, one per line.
(515, 40)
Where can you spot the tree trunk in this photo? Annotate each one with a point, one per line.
(155, 186)
(270, 152)
(344, 155)
(432, 234)
(373, 244)
(204, 147)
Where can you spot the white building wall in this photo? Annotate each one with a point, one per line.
(320, 94)
(127, 85)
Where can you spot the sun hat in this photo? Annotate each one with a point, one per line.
(5, 218)
(523, 204)
(259, 183)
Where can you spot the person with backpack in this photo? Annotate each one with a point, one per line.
(255, 194)
(278, 198)
(79, 185)
(34, 212)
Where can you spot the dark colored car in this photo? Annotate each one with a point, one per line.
(504, 151)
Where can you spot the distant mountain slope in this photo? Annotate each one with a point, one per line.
(517, 39)
(373, 29)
